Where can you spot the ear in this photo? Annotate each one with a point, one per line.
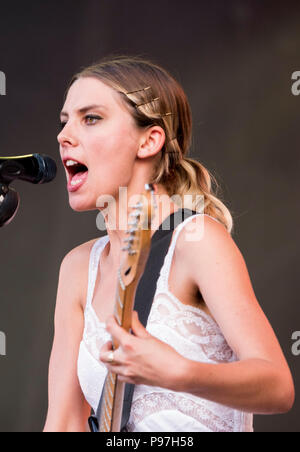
(151, 142)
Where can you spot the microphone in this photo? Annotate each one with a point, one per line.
(34, 168)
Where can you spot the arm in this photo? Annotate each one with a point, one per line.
(260, 382)
(67, 410)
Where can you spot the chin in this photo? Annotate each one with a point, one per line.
(80, 206)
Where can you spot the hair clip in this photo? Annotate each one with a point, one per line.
(145, 103)
(138, 90)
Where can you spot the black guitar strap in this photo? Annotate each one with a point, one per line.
(145, 292)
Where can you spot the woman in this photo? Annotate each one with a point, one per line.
(208, 358)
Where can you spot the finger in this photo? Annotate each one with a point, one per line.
(107, 347)
(118, 333)
(106, 355)
(122, 372)
(137, 327)
(126, 379)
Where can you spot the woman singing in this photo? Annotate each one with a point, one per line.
(209, 357)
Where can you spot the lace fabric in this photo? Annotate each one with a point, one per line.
(190, 331)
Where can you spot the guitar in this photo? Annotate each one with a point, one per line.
(129, 274)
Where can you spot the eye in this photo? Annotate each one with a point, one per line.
(91, 119)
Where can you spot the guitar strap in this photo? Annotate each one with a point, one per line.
(145, 292)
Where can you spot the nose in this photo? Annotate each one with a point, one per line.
(67, 136)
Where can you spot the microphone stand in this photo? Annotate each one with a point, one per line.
(9, 203)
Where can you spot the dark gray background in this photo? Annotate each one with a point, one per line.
(234, 60)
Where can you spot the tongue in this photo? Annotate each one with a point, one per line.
(79, 175)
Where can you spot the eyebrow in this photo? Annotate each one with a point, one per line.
(84, 109)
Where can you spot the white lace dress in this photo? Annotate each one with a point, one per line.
(191, 332)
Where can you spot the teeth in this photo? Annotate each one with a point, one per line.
(71, 163)
(73, 183)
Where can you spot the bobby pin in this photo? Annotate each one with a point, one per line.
(138, 90)
(145, 103)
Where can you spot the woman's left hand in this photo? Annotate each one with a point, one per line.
(141, 358)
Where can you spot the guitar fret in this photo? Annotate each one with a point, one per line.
(110, 392)
(104, 423)
(106, 426)
(120, 280)
(111, 377)
(109, 403)
(106, 410)
(120, 301)
(118, 317)
(106, 420)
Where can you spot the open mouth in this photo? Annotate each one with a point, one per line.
(77, 172)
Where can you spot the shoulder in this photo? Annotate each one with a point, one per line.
(75, 266)
(203, 239)
(199, 230)
(78, 258)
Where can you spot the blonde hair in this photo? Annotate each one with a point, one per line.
(154, 97)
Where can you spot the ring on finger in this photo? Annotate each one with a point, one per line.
(110, 357)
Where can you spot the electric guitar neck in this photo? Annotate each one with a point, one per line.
(130, 271)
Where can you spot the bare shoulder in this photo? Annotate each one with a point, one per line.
(207, 253)
(74, 270)
(208, 250)
(79, 252)
(200, 232)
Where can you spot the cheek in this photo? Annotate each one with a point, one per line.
(110, 170)
(113, 154)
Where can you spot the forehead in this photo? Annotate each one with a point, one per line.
(89, 91)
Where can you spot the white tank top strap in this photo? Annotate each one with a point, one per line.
(169, 256)
(95, 254)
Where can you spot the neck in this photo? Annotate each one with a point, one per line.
(116, 221)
